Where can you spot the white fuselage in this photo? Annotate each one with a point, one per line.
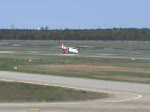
(69, 49)
(73, 50)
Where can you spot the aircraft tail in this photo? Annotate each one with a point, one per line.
(62, 43)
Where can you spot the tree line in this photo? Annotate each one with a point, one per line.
(78, 34)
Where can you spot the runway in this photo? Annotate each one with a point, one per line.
(76, 55)
(124, 97)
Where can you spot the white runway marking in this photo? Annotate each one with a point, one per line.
(34, 110)
(68, 54)
(138, 97)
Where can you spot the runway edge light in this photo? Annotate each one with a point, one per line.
(133, 59)
(15, 68)
(30, 60)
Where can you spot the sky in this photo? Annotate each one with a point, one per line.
(74, 14)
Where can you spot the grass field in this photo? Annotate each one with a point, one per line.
(126, 48)
(127, 70)
(21, 92)
(100, 44)
(95, 68)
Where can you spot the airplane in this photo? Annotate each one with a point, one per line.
(67, 50)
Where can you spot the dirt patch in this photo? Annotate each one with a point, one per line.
(91, 68)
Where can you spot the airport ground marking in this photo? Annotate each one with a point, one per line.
(78, 88)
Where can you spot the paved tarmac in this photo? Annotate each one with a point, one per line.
(124, 97)
(76, 55)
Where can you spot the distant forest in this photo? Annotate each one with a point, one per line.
(78, 34)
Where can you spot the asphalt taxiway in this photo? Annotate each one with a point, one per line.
(124, 97)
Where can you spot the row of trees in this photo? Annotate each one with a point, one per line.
(70, 34)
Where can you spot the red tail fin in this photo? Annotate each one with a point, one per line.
(62, 44)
